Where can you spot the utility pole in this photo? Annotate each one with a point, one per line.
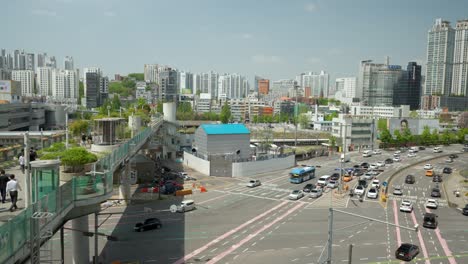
(350, 253)
(330, 235)
(66, 128)
(27, 179)
(96, 226)
(295, 116)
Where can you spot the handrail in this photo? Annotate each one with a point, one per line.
(15, 233)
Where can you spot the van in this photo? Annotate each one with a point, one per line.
(323, 180)
(186, 205)
(367, 153)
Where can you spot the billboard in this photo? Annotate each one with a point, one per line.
(5, 87)
(415, 125)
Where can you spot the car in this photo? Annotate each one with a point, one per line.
(432, 204)
(449, 160)
(398, 152)
(374, 166)
(396, 159)
(347, 178)
(359, 190)
(374, 172)
(309, 187)
(335, 177)
(388, 161)
(380, 163)
(453, 156)
(323, 180)
(407, 252)
(363, 183)
(410, 179)
(372, 193)
(148, 224)
(421, 148)
(365, 165)
(397, 190)
(411, 154)
(447, 170)
(356, 166)
(254, 183)
(296, 195)
(368, 176)
(376, 152)
(332, 184)
(430, 220)
(315, 193)
(437, 150)
(375, 183)
(465, 210)
(427, 167)
(406, 206)
(358, 172)
(435, 192)
(430, 173)
(185, 206)
(414, 149)
(437, 178)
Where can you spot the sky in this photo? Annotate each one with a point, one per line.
(273, 39)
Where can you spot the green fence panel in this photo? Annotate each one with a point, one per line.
(19, 233)
(5, 241)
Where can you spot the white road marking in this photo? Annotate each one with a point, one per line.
(236, 256)
(245, 250)
(214, 249)
(225, 243)
(262, 238)
(296, 259)
(254, 243)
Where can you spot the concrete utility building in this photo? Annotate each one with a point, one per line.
(231, 141)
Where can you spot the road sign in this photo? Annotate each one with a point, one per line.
(384, 184)
(173, 208)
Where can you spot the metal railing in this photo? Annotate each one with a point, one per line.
(15, 233)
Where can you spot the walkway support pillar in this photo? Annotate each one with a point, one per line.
(124, 188)
(80, 241)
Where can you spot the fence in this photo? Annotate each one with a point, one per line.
(15, 233)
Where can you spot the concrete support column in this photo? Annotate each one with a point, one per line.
(80, 242)
(124, 189)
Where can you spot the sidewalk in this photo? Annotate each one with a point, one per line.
(5, 213)
(455, 182)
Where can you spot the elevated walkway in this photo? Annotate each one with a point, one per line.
(21, 236)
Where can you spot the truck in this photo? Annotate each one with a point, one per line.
(345, 158)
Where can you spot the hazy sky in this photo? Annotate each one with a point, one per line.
(274, 39)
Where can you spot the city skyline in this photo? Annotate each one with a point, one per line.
(252, 43)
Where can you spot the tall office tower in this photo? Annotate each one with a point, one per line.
(92, 83)
(440, 43)
(51, 62)
(408, 89)
(64, 84)
(460, 59)
(256, 80)
(318, 83)
(185, 80)
(44, 81)
(41, 59)
(167, 85)
(3, 59)
(263, 86)
(30, 62)
(347, 85)
(26, 77)
(377, 82)
(151, 73)
(197, 83)
(68, 63)
(19, 59)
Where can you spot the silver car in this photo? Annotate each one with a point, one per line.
(397, 190)
(332, 184)
(315, 193)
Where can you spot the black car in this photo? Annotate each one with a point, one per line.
(365, 165)
(407, 252)
(430, 220)
(166, 169)
(435, 192)
(357, 166)
(465, 210)
(437, 178)
(358, 172)
(308, 187)
(453, 156)
(410, 179)
(388, 161)
(422, 148)
(148, 224)
(363, 183)
(447, 170)
(335, 177)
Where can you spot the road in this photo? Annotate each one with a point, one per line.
(236, 224)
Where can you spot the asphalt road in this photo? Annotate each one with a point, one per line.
(236, 224)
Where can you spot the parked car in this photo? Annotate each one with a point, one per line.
(359, 190)
(410, 179)
(185, 206)
(372, 193)
(432, 204)
(435, 192)
(148, 224)
(429, 173)
(315, 193)
(374, 172)
(447, 170)
(363, 183)
(388, 161)
(347, 178)
(430, 220)
(358, 172)
(465, 210)
(332, 184)
(398, 152)
(437, 178)
(428, 167)
(254, 183)
(296, 195)
(406, 206)
(309, 187)
(407, 252)
(397, 190)
(356, 166)
(397, 159)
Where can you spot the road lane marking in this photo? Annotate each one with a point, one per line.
(444, 244)
(212, 199)
(213, 250)
(225, 243)
(395, 212)
(421, 240)
(227, 234)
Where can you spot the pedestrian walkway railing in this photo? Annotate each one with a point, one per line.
(17, 232)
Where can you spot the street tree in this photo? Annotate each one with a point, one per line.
(225, 115)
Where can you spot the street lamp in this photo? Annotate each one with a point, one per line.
(66, 125)
(108, 110)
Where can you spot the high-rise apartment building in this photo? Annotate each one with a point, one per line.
(41, 59)
(151, 73)
(440, 45)
(347, 86)
(209, 83)
(185, 80)
(30, 62)
(26, 77)
(282, 87)
(44, 81)
(263, 86)
(318, 83)
(460, 59)
(65, 84)
(68, 63)
(167, 90)
(232, 86)
(197, 83)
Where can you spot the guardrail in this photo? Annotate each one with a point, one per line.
(16, 233)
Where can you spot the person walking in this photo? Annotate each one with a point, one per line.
(21, 162)
(12, 189)
(32, 154)
(3, 183)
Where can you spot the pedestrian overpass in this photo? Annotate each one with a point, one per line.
(22, 236)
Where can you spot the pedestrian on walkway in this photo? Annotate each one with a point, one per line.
(3, 183)
(21, 162)
(32, 154)
(12, 189)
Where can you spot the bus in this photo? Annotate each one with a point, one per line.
(301, 174)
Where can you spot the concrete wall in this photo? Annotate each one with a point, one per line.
(221, 144)
(247, 169)
(196, 163)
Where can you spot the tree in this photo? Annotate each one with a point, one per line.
(398, 136)
(116, 104)
(80, 92)
(159, 107)
(138, 76)
(303, 121)
(426, 136)
(329, 117)
(382, 124)
(407, 136)
(332, 140)
(435, 136)
(414, 114)
(446, 137)
(79, 127)
(385, 136)
(225, 115)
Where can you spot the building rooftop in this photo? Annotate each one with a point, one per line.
(225, 129)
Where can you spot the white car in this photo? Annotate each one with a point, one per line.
(406, 206)
(296, 195)
(373, 172)
(375, 184)
(411, 154)
(428, 167)
(398, 152)
(397, 159)
(397, 190)
(437, 150)
(332, 184)
(432, 203)
(315, 193)
(254, 183)
(359, 190)
(372, 193)
(380, 163)
(373, 166)
(185, 206)
(368, 176)
(376, 152)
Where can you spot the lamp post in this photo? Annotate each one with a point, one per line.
(66, 126)
(108, 110)
(295, 116)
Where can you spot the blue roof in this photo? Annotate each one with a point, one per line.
(225, 129)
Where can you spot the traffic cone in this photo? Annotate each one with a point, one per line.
(202, 189)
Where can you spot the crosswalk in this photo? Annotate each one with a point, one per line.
(416, 200)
